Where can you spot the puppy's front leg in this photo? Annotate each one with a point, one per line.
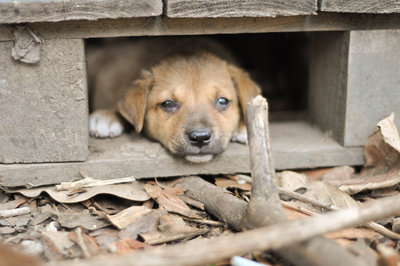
(105, 123)
(240, 135)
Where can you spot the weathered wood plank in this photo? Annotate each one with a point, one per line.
(178, 26)
(328, 82)
(364, 6)
(239, 8)
(43, 107)
(373, 83)
(354, 82)
(59, 10)
(294, 145)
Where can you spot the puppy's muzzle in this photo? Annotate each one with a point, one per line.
(199, 137)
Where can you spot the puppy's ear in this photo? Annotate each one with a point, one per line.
(246, 88)
(133, 104)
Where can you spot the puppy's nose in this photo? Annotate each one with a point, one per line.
(199, 137)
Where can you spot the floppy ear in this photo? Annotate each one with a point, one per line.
(246, 88)
(133, 104)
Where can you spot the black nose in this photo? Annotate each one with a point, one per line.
(199, 137)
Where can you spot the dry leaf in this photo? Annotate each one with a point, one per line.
(90, 243)
(105, 236)
(338, 175)
(382, 150)
(57, 245)
(169, 201)
(385, 180)
(84, 219)
(133, 191)
(128, 216)
(316, 190)
(171, 228)
(143, 224)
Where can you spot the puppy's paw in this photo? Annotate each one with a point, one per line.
(105, 123)
(240, 136)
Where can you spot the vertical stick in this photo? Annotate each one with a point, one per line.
(264, 207)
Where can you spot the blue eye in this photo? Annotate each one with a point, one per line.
(169, 106)
(222, 103)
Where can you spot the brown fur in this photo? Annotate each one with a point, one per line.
(194, 81)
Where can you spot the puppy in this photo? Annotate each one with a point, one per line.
(187, 94)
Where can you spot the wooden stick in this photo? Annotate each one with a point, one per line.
(91, 182)
(217, 201)
(14, 212)
(265, 207)
(274, 237)
(305, 199)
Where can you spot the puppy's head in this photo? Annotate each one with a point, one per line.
(191, 104)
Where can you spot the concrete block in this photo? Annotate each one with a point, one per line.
(44, 107)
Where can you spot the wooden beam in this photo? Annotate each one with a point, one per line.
(294, 145)
(156, 26)
(364, 6)
(239, 8)
(23, 11)
(43, 106)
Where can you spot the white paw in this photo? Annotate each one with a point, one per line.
(105, 123)
(240, 136)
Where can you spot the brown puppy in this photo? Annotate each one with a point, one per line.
(191, 100)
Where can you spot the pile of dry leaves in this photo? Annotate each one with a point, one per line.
(93, 218)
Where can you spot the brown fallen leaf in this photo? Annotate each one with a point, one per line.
(13, 204)
(88, 241)
(315, 190)
(128, 216)
(169, 201)
(143, 224)
(132, 191)
(105, 236)
(171, 228)
(83, 219)
(381, 181)
(338, 175)
(57, 245)
(382, 150)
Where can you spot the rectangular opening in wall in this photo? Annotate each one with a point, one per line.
(277, 62)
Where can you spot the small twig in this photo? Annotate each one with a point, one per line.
(14, 212)
(204, 221)
(371, 225)
(298, 196)
(299, 209)
(192, 202)
(382, 230)
(81, 243)
(91, 182)
(166, 239)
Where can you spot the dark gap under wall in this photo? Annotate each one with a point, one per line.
(278, 62)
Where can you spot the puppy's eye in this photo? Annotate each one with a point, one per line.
(169, 106)
(222, 103)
